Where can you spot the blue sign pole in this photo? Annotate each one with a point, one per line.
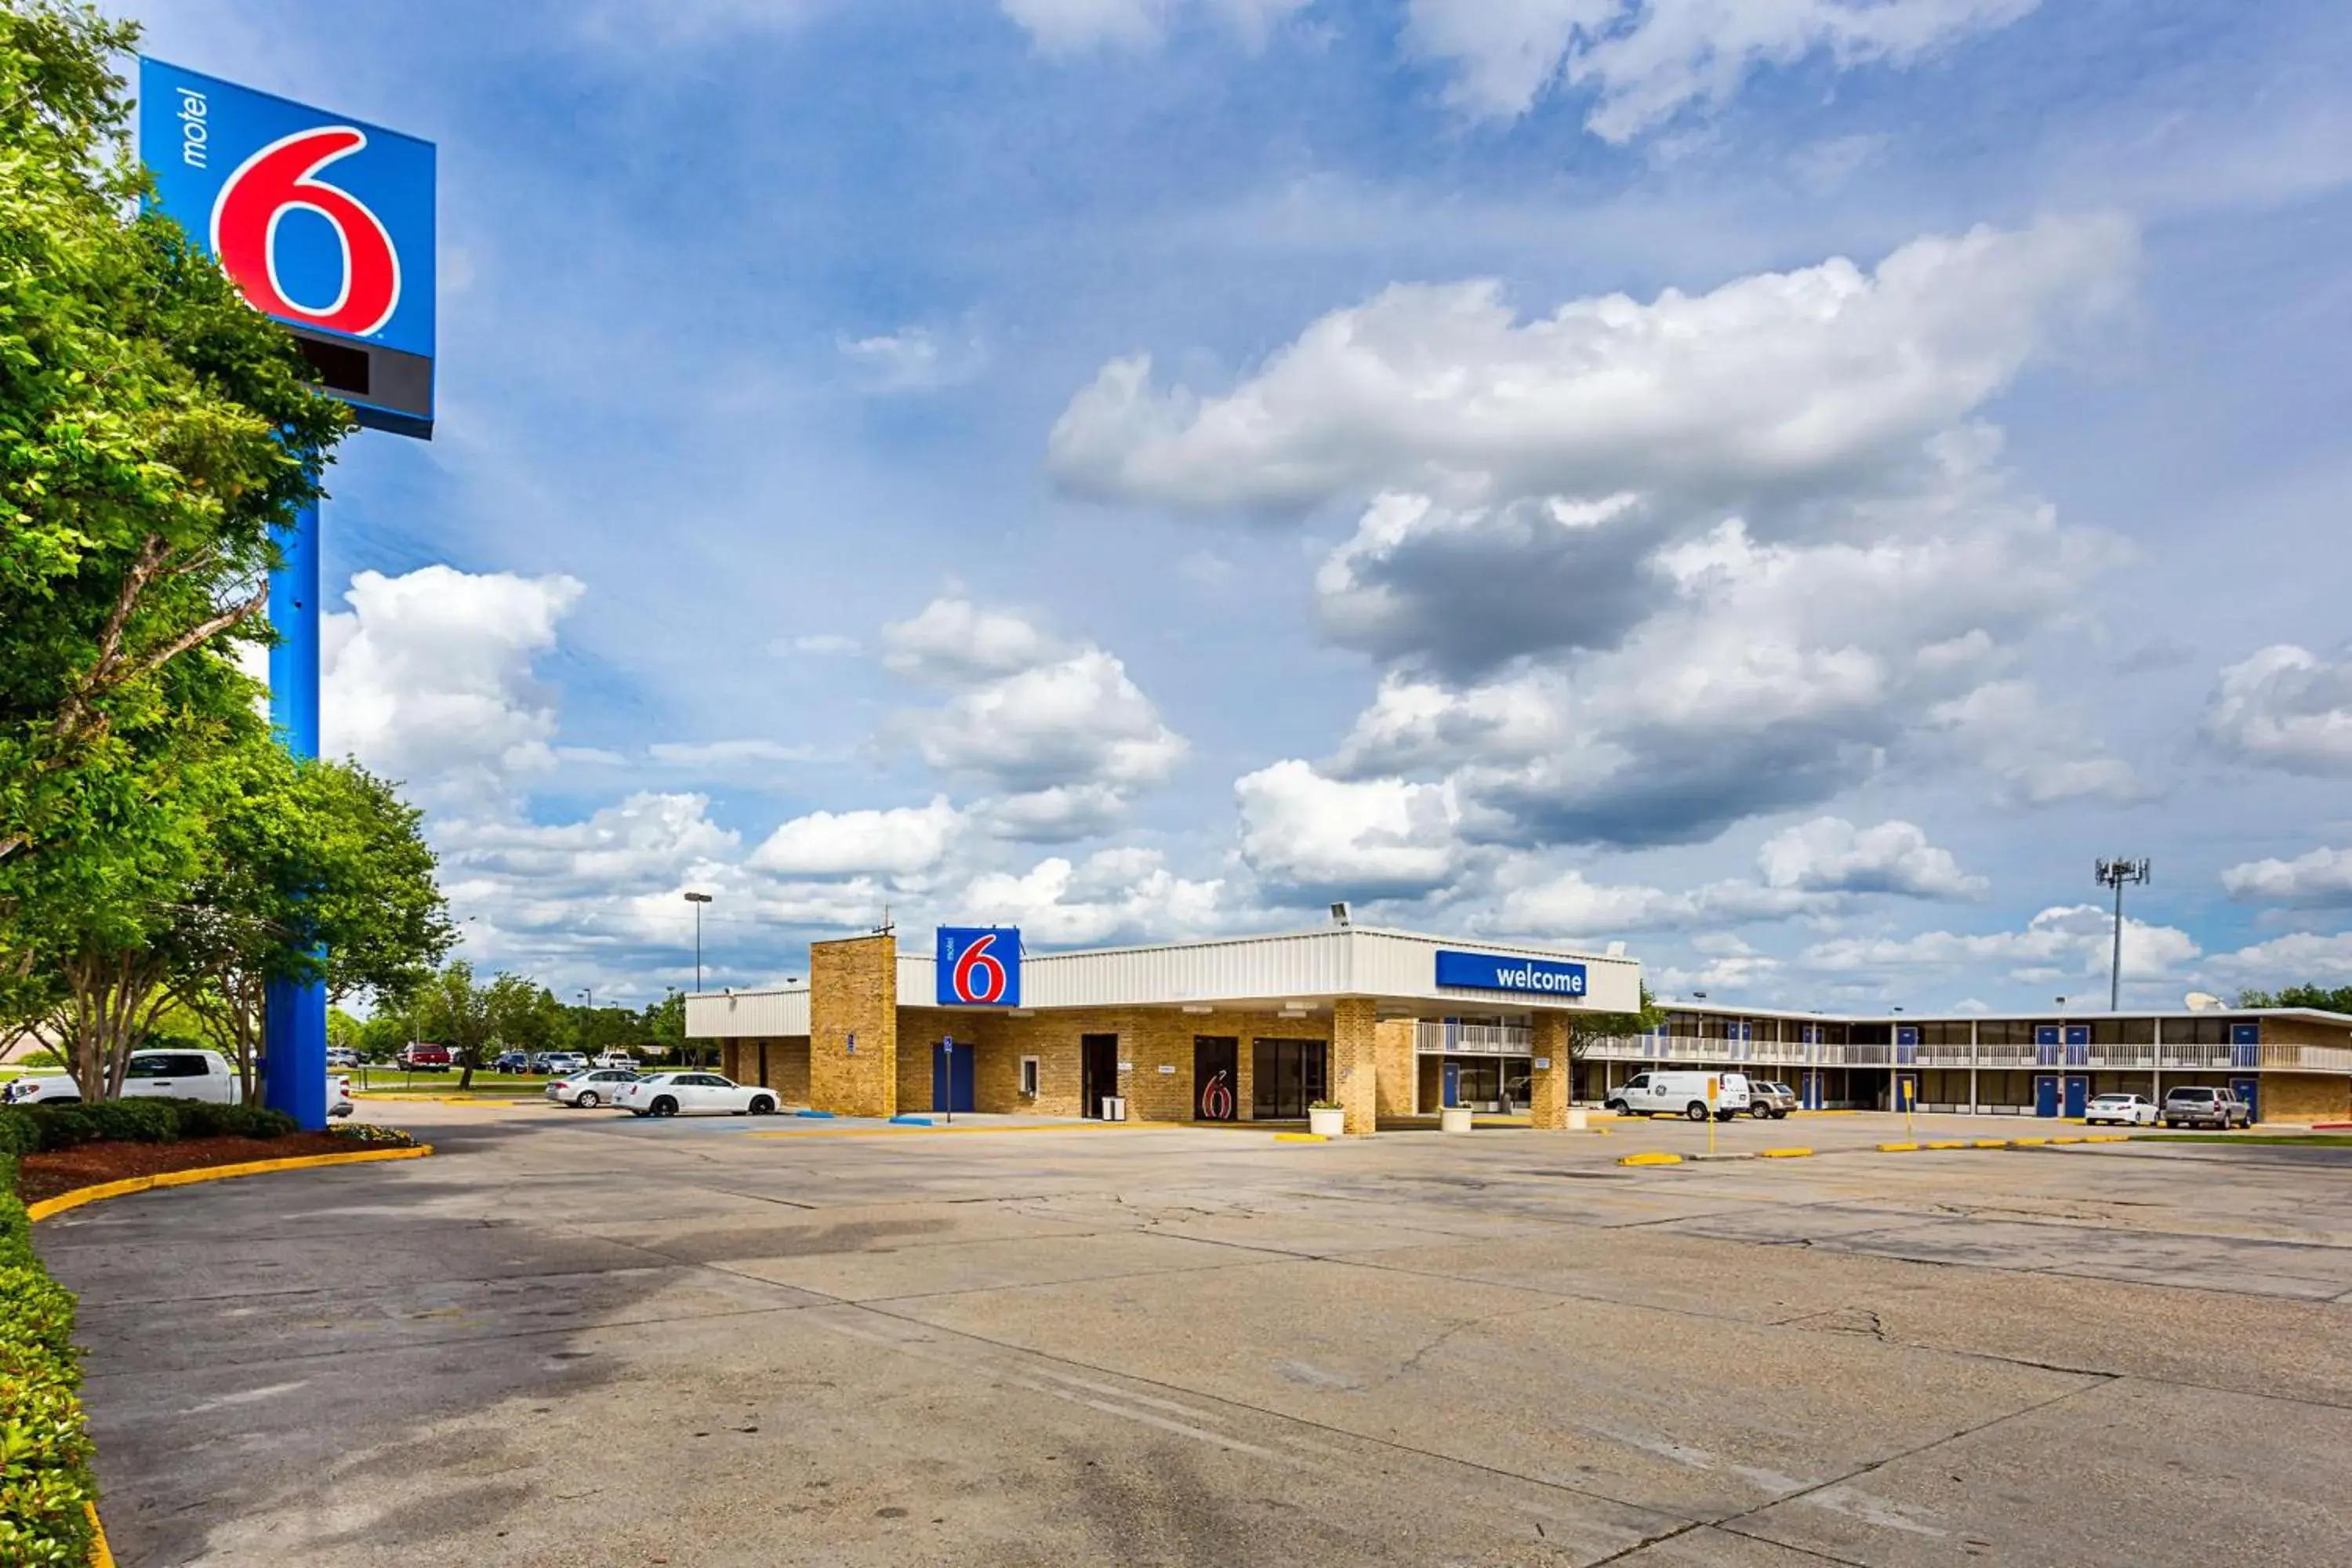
(294, 1021)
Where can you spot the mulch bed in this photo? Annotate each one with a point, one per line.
(42, 1176)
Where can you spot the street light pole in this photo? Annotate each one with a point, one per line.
(2115, 874)
(698, 900)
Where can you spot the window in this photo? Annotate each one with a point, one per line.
(1288, 1077)
(174, 1065)
(1028, 1078)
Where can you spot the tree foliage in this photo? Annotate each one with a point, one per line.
(2336, 999)
(153, 431)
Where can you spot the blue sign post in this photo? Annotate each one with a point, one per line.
(326, 224)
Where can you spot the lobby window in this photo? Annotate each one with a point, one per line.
(1028, 1078)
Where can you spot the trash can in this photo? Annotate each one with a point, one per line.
(1114, 1108)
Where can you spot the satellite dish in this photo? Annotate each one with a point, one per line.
(2201, 1001)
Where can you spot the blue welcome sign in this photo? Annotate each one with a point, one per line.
(1500, 972)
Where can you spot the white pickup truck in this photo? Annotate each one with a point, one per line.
(172, 1074)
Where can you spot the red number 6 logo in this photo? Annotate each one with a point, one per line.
(978, 974)
(282, 178)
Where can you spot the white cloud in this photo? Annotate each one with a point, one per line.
(903, 842)
(646, 839)
(2064, 941)
(2302, 958)
(1061, 731)
(1440, 389)
(2322, 878)
(818, 644)
(1383, 838)
(1646, 60)
(1831, 853)
(2036, 754)
(915, 359)
(1567, 905)
(1114, 895)
(428, 678)
(2284, 708)
(953, 641)
(1074, 26)
(724, 753)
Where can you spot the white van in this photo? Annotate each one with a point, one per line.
(1682, 1094)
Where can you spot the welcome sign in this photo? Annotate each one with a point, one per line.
(1500, 972)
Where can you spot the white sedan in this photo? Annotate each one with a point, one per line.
(2121, 1109)
(693, 1094)
(591, 1089)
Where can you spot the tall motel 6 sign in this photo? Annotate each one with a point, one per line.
(326, 224)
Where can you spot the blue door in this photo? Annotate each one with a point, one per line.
(951, 1077)
(2045, 1045)
(2078, 1045)
(1906, 1092)
(1813, 1090)
(2246, 1045)
(2045, 1094)
(2078, 1093)
(2244, 1087)
(1452, 1085)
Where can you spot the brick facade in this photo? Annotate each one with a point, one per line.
(1393, 1044)
(1547, 1086)
(853, 1027)
(2304, 1096)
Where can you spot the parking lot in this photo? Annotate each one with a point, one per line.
(575, 1339)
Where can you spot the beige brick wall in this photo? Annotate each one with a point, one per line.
(1149, 1039)
(854, 992)
(1399, 1087)
(1355, 1066)
(1547, 1086)
(2304, 1096)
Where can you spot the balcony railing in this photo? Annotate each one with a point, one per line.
(1435, 1035)
(2011, 1057)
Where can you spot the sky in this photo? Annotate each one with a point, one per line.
(1787, 485)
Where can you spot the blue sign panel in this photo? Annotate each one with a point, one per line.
(980, 966)
(1497, 972)
(323, 221)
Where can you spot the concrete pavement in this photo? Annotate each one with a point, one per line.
(583, 1340)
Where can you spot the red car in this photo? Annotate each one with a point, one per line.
(418, 1058)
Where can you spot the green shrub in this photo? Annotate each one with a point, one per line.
(201, 1121)
(19, 1133)
(45, 1485)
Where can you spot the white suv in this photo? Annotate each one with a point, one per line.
(2193, 1105)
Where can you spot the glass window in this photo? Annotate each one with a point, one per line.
(1288, 1076)
(1029, 1078)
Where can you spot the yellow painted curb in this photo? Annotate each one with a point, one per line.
(2066, 1140)
(101, 1554)
(1782, 1153)
(2109, 1138)
(1990, 1143)
(80, 1196)
(1946, 1144)
(1300, 1138)
(2027, 1143)
(1650, 1160)
(1898, 1148)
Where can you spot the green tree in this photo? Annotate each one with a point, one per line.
(664, 1023)
(153, 431)
(2338, 999)
(308, 855)
(1586, 1027)
(344, 1032)
(523, 1015)
(450, 1009)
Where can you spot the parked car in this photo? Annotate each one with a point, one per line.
(562, 1064)
(341, 1056)
(1772, 1099)
(417, 1057)
(2201, 1105)
(2120, 1110)
(339, 1095)
(1681, 1094)
(693, 1094)
(591, 1088)
(511, 1061)
(168, 1074)
(40, 1088)
(617, 1059)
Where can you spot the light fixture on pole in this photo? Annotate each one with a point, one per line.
(698, 900)
(2116, 874)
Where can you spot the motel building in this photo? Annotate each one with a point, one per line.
(1382, 1023)
(2290, 1064)
(1392, 1025)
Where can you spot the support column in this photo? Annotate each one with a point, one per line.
(1548, 1085)
(1355, 1062)
(853, 1025)
(294, 1011)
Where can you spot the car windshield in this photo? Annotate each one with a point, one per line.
(2114, 1100)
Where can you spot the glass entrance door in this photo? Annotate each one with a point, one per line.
(1288, 1077)
(1216, 1078)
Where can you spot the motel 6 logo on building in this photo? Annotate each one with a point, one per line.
(323, 222)
(980, 966)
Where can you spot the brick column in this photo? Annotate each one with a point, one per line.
(1547, 1086)
(853, 997)
(1355, 1062)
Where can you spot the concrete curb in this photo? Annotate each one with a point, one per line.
(1649, 1159)
(1300, 1138)
(80, 1196)
(1783, 1154)
(101, 1554)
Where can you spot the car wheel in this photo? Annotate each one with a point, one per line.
(585, 1099)
(1779, 1116)
(1617, 1106)
(1759, 1111)
(762, 1106)
(1696, 1111)
(665, 1106)
(635, 1113)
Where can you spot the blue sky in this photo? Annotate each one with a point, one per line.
(1787, 498)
